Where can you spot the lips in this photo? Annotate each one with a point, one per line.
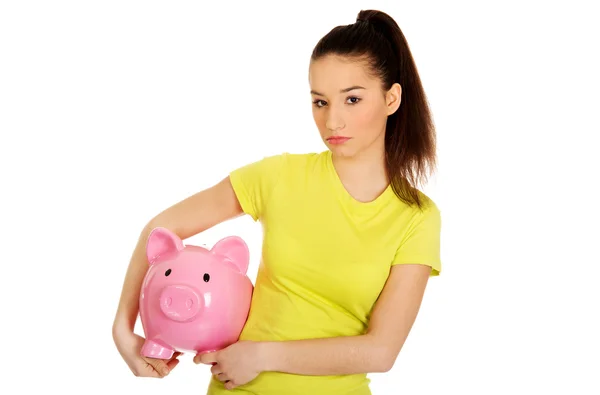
(338, 139)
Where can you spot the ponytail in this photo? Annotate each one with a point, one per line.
(410, 140)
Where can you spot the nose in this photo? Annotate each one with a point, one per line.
(334, 126)
(334, 121)
(180, 302)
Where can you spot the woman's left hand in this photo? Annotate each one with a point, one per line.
(235, 365)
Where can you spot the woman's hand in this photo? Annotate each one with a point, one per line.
(129, 345)
(237, 364)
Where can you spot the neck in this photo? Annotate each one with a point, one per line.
(363, 167)
(363, 175)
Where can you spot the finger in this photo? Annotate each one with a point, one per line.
(216, 369)
(176, 354)
(143, 369)
(172, 363)
(159, 365)
(206, 358)
(223, 377)
(230, 385)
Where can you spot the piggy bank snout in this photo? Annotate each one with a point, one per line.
(180, 302)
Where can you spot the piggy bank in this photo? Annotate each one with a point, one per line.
(193, 299)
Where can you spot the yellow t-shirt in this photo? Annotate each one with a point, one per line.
(325, 259)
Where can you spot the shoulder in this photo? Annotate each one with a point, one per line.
(428, 215)
(298, 162)
(428, 204)
(275, 167)
(293, 158)
(303, 158)
(408, 217)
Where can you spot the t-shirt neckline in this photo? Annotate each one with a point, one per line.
(380, 200)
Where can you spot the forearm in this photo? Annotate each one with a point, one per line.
(128, 307)
(328, 356)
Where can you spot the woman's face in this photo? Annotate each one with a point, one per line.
(349, 107)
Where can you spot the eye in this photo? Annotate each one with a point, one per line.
(168, 272)
(206, 277)
(316, 103)
(353, 100)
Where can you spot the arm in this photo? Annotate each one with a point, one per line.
(376, 351)
(193, 215)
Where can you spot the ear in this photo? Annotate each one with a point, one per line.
(162, 241)
(235, 250)
(393, 98)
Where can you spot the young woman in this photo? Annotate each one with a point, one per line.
(349, 240)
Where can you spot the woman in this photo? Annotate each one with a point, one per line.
(349, 240)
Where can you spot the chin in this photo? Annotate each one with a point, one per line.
(342, 151)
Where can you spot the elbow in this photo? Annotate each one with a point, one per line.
(385, 365)
(385, 358)
(155, 222)
(159, 222)
(383, 354)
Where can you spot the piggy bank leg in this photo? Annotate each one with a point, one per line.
(152, 349)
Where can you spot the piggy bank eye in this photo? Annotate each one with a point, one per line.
(168, 272)
(206, 277)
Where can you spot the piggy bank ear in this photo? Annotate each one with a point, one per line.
(235, 250)
(162, 241)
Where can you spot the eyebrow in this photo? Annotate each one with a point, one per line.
(341, 91)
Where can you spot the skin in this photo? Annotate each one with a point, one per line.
(361, 115)
(359, 163)
(193, 215)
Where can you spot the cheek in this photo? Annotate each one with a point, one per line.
(320, 120)
(366, 120)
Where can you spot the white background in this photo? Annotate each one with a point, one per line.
(112, 111)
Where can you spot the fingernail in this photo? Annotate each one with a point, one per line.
(165, 371)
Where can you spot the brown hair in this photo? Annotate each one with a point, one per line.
(410, 145)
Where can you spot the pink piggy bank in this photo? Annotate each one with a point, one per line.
(193, 299)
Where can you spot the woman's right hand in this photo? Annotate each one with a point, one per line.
(129, 345)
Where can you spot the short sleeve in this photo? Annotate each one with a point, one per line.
(421, 244)
(254, 183)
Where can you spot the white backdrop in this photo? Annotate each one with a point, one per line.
(112, 111)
